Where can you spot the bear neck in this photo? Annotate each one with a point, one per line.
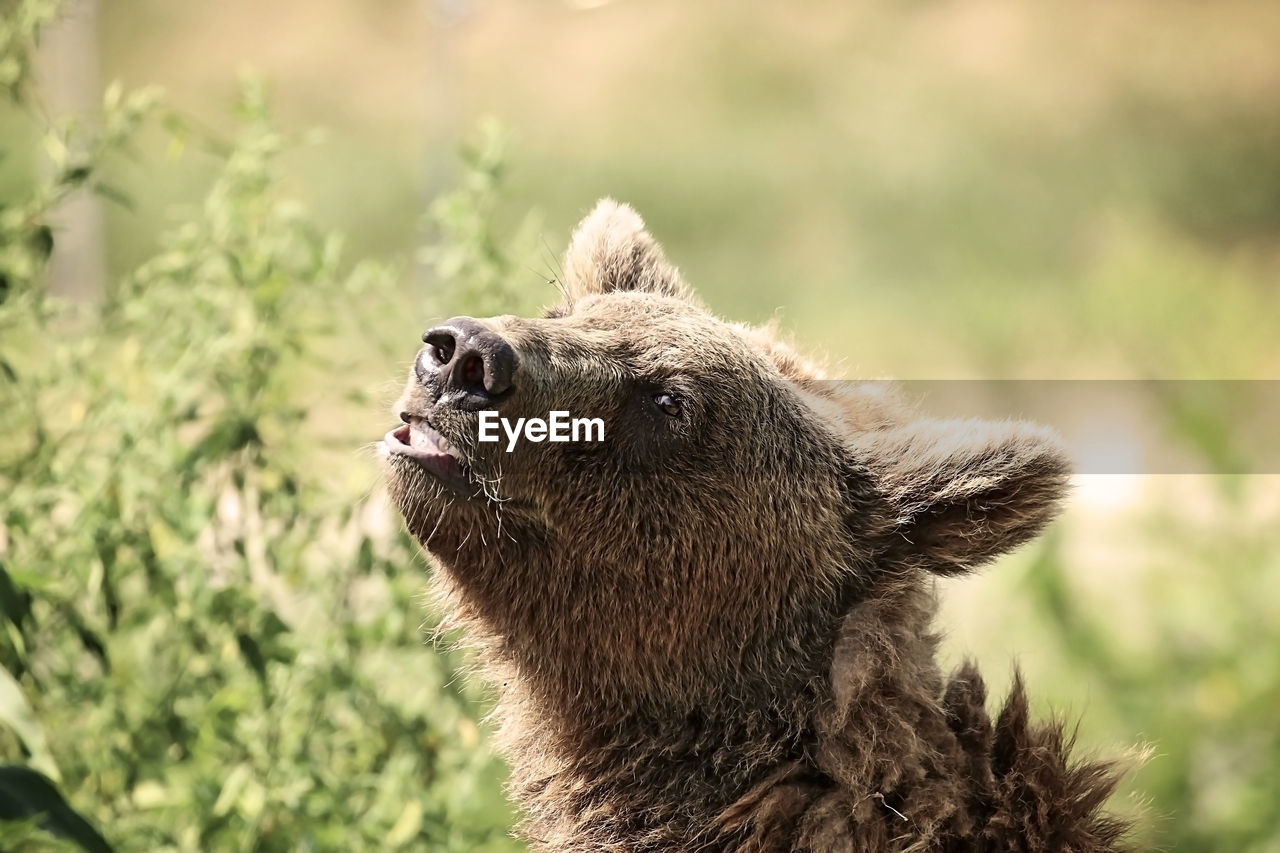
(652, 776)
(674, 775)
(600, 748)
(595, 643)
(865, 741)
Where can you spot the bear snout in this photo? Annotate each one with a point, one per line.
(465, 360)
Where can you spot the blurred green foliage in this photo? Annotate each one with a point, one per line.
(204, 645)
(1203, 694)
(21, 23)
(468, 253)
(210, 642)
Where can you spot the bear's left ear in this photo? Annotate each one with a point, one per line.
(962, 492)
(611, 250)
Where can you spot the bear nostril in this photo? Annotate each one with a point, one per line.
(441, 345)
(471, 370)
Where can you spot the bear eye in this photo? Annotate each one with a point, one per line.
(669, 405)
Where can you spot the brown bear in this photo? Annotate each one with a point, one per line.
(709, 626)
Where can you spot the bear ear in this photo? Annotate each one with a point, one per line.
(611, 250)
(962, 492)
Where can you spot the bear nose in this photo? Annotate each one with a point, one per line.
(471, 358)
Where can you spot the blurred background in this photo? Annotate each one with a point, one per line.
(224, 226)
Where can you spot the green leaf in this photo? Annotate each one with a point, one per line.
(41, 242)
(17, 715)
(76, 175)
(253, 655)
(15, 602)
(114, 195)
(25, 793)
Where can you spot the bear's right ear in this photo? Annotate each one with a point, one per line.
(964, 492)
(611, 250)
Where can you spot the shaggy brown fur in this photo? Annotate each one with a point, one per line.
(711, 631)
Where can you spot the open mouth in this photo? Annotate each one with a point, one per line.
(430, 450)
